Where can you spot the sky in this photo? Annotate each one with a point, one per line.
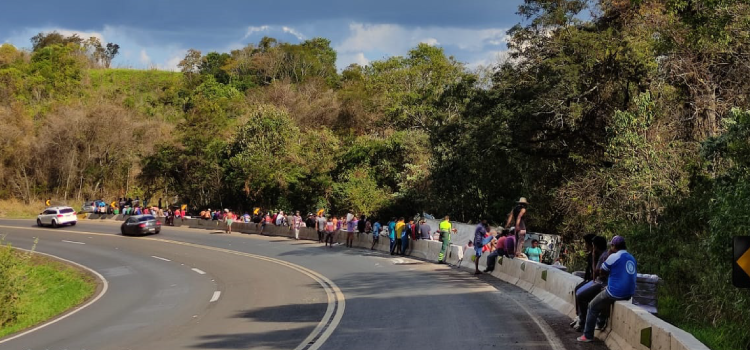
(157, 33)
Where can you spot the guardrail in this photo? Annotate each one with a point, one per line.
(630, 327)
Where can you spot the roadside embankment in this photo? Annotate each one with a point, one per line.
(36, 288)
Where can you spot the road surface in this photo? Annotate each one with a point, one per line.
(191, 289)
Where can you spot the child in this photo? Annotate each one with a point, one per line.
(461, 252)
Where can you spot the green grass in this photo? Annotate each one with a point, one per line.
(37, 288)
(16, 209)
(716, 337)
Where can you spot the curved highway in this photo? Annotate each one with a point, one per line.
(190, 289)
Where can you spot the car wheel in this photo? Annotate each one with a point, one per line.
(123, 233)
(54, 223)
(73, 223)
(157, 232)
(39, 222)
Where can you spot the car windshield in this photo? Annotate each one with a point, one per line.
(146, 218)
(66, 211)
(88, 203)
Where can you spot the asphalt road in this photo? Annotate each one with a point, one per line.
(156, 300)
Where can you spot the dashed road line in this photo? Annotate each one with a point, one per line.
(199, 271)
(215, 297)
(74, 242)
(336, 299)
(160, 258)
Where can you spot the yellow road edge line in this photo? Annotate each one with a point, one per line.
(334, 293)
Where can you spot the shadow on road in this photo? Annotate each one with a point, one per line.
(286, 313)
(279, 339)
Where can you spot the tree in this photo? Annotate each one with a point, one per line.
(43, 40)
(109, 54)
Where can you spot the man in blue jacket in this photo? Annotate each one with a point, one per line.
(621, 267)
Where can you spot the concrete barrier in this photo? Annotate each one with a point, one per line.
(630, 327)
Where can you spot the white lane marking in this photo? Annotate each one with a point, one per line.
(198, 271)
(336, 299)
(215, 297)
(105, 286)
(553, 340)
(74, 242)
(160, 258)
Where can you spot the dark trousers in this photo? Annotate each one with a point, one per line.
(404, 244)
(396, 246)
(492, 260)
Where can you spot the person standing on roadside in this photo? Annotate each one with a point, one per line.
(228, 220)
(517, 219)
(320, 226)
(479, 234)
(392, 233)
(621, 267)
(375, 234)
(350, 227)
(446, 229)
(362, 224)
(330, 229)
(424, 231)
(296, 223)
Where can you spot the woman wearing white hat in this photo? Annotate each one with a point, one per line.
(516, 219)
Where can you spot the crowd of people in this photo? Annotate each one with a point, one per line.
(610, 274)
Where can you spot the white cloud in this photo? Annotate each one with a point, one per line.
(358, 58)
(143, 58)
(394, 39)
(294, 32)
(431, 41)
(252, 30)
(171, 63)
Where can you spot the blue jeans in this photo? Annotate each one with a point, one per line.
(601, 303)
(404, 243)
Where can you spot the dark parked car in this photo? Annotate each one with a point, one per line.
(140, 225)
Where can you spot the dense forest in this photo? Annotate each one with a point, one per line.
(622, 117)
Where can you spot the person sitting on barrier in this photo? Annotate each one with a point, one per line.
(497, 252)
(588, 273)
(587, 292)
(510, 244)
(622, 269)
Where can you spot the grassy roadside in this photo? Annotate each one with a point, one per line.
(36, 288)
(16, 209)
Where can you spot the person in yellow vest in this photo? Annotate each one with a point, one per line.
(446, 229)
(48, 202)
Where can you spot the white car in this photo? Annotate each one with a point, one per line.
(57, 216)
